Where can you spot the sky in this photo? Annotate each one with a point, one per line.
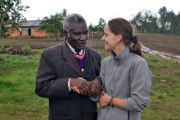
(93, 10)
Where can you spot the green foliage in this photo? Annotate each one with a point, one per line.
(99, 27)
(26, 49)
(4, 30)
(167, 22)
(91, 27)
(11, 48)
(10, 14)
(54, 23)
(2, 49)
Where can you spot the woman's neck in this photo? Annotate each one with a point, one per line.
(119, 48)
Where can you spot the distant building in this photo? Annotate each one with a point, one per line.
(28, 28)
(95, 34)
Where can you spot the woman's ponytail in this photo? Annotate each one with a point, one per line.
(136, 46)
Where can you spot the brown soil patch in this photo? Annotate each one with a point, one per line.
(163, 43)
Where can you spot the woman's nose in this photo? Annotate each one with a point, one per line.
(102, 38)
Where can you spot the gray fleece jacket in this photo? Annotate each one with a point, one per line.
(125, 76)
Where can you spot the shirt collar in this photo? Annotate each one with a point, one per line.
(73, 50)
(122, 56)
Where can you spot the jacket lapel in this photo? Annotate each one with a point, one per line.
(87, 57)
(87, 63)
(70, 60)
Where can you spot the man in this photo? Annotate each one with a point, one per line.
(68, 74)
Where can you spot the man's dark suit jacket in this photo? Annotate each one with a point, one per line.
(57, 65)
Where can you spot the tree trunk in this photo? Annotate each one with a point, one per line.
(56, 38)
(1, 32)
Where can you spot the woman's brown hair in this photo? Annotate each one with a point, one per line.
(123, 27)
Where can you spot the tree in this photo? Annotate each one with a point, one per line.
(168, 22)
(163, 19)
(92, 29)
(10, 14)
(101, 25)
(145, 21)
(150, 22)
(137, 21)
(98, 28)
(173, 23)
(178, 23)
(52, 24)
(64, 13)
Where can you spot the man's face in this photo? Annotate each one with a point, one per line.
(78, 35)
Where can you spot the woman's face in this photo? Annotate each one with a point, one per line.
(110, 40)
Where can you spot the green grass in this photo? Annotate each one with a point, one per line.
(18, 100)
(165, 98)
(17, 84)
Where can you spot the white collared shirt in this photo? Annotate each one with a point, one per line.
(73, 50)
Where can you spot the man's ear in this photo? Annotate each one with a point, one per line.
(65, 33)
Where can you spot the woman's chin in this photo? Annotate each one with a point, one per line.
(106, 48)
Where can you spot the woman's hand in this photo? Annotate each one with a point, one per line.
(104, 100)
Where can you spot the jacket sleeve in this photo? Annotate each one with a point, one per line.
(140, 77)
(46, 83)
(97, 62)
(101, 75)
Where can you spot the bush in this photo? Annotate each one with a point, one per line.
(2, 49)
(11, 48)
(26, 49)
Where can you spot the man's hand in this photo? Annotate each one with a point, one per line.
(80, 85)
(95, 88)
(91, 88)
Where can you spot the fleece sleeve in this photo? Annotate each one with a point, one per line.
(140, 76)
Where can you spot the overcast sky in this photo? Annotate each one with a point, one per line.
(92, 10)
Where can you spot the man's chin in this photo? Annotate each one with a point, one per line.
(81, 47)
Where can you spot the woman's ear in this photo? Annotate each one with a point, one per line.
(119, 36)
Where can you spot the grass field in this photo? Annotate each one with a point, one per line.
(17, 83)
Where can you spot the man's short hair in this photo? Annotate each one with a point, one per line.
(70, 19)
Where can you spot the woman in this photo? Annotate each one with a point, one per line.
(125, 74)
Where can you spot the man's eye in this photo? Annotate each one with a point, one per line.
(76, 33)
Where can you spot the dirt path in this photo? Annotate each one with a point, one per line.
(162, 54)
